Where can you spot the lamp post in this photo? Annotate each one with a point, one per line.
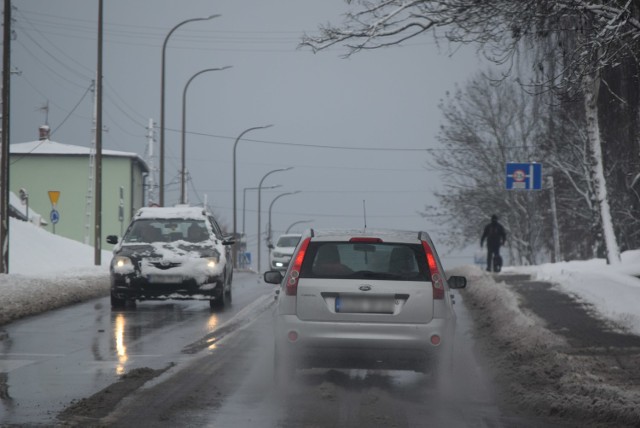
(235, 217)
(244, 201)
(297, 222)
(270, 207)
(259, 206)
(183, 170)
(162, 87)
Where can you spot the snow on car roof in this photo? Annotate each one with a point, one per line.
(180, 211)
(388, 234)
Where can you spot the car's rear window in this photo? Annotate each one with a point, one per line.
(400, 262)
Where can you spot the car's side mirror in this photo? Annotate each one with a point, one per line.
(273, 277)
(228, 240)
(457, 281)
(112, 239)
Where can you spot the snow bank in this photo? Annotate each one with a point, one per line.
(537, 369)
(47, 272)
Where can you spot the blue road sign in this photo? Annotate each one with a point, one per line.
(524, 176)
(54, 216)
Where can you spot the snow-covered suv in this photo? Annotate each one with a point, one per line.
(172, 253)
(364, 299)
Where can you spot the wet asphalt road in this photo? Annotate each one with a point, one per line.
(223, 373)
(51, 360)
(233, 385)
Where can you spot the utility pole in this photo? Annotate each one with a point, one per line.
(89, 206)
(151, 180)
(98, 213)
(4, 152)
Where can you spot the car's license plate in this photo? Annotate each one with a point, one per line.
(164, 279)
(365, 304)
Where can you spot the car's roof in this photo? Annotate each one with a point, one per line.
(386, 235)
(178, 212)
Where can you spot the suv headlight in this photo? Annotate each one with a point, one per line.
(212, 263)
(122, 264)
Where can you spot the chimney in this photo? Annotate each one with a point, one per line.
(44, 132)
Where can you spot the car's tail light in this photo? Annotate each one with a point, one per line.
(436, 276)
(366, 240)
(291, 287)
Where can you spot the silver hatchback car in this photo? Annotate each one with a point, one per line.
(363, 299)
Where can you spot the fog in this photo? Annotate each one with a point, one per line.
(355, 130)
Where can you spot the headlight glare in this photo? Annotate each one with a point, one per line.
(212, 262)
(122, 264)
(122, 261)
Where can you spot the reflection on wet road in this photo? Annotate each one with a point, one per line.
(50, 360)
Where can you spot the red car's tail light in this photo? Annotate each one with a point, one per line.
(291, 287)
(436, 277)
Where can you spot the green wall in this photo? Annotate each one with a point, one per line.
(70, 175)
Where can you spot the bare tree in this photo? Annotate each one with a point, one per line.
(485, 126)
(605, 33)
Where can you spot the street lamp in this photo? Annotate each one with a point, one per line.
(183, 173)
(270, 207)
(162, 85)
(244, 204)
(235, 217)
(244, 201)
(259, 206)
(297, 222)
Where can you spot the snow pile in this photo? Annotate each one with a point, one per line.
(47, 272)
(536, 368)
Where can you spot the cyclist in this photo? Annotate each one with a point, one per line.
(496, 236)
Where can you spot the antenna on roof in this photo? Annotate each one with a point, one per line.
(364, 209)
(45, 108)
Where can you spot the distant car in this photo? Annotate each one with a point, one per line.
(172, 253)
(282, 252)
(364, 299)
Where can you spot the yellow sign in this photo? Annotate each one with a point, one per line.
(54, 195)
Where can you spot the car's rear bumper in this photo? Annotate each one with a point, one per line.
(362, 345)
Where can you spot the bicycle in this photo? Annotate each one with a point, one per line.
(497, 263)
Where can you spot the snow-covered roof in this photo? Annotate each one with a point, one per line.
(177, 212)
(48, 147)
(17, 204)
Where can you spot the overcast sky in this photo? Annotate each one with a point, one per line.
(334, 119)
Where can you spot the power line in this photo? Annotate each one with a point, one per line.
(317, 146)
(73, 109)
(47, 66)
(55, 47)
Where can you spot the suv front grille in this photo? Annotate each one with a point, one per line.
(165, 266)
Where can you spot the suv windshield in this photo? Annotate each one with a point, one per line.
(365, 261)
(166, 230)
(288, 241)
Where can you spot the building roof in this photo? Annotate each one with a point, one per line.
(48, 147)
